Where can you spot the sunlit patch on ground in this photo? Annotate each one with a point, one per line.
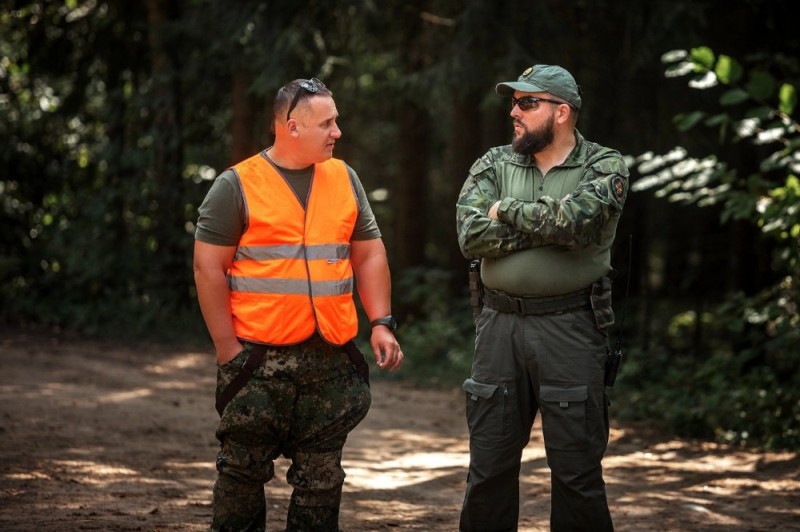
(96, 438)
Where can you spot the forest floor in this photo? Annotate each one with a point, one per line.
(98, 436)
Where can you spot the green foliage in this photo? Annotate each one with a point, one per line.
(742, 390)
(713, 400)
(756, 107)
(112, 140)
(93, 234)
(744, 385)
(437, 334)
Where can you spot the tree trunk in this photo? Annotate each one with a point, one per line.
(170, 254)
(463, 149)
(245, 117)
(411, 189)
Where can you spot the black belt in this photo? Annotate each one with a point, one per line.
(528, 306)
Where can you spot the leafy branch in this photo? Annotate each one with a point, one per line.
(754, 106)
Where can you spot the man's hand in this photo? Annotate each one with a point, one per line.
(388, 354)
(493, 211)
(368, 258)
(228, 351)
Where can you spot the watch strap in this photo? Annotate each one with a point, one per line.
(388, 321)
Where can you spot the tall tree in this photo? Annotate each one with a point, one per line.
(167, 135)
(413, 146)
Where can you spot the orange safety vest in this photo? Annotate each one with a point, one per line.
(291, 273)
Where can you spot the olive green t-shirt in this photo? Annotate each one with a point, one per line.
(222, 215)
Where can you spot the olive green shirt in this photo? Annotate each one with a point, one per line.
(554, 232)
(223, 218)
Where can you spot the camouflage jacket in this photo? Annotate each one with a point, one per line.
(572, 206)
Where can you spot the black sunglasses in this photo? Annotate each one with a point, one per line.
(531, 102)
(312, 86)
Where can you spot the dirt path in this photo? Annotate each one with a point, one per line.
(102, 437)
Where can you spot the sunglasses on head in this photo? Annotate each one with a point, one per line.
(531, 102)
(312, 86)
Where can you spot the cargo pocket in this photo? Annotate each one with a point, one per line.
(227, 372)
(486, 410)
(564, 416)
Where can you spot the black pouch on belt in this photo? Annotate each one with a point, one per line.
(600, 299)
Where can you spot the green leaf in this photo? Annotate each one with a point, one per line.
(685, 122)
(762, 113)
(674, 56)
(733, 97)
(703, 56)
(761, 85)
(728, 70)
(787, 95)
(681, 69)
(715, 120)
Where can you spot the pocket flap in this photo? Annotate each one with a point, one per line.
(479, 389)
(564, 394)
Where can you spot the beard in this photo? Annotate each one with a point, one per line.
(532, 142)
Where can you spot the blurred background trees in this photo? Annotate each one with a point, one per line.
(118, 115)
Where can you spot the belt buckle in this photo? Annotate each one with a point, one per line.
(519, 305)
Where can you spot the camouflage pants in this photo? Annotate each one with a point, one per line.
(524, 365)
(301, 403)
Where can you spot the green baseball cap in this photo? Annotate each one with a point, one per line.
(545, 78)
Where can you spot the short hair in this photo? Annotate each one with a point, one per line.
(287, 93)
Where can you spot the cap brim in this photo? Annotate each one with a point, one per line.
(508, 88)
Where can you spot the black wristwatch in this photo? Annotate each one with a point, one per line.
(388, 321)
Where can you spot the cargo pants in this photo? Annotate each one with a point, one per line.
(553, 364)
(301, 403)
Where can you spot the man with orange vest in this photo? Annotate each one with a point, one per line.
(280, 239)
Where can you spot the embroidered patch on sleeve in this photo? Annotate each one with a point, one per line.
(618, 186)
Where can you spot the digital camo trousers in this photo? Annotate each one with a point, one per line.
(301, 403)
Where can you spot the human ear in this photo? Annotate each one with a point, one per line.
(565, 112)
(291, 127)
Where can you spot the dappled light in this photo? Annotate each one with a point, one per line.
(92, 472)
(118, 397)
(114, 438)
(407, 470)
(178, 362)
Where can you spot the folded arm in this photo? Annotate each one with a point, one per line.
(576, 220)
(478, 235)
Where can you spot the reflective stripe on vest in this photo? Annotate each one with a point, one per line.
(291, 274)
